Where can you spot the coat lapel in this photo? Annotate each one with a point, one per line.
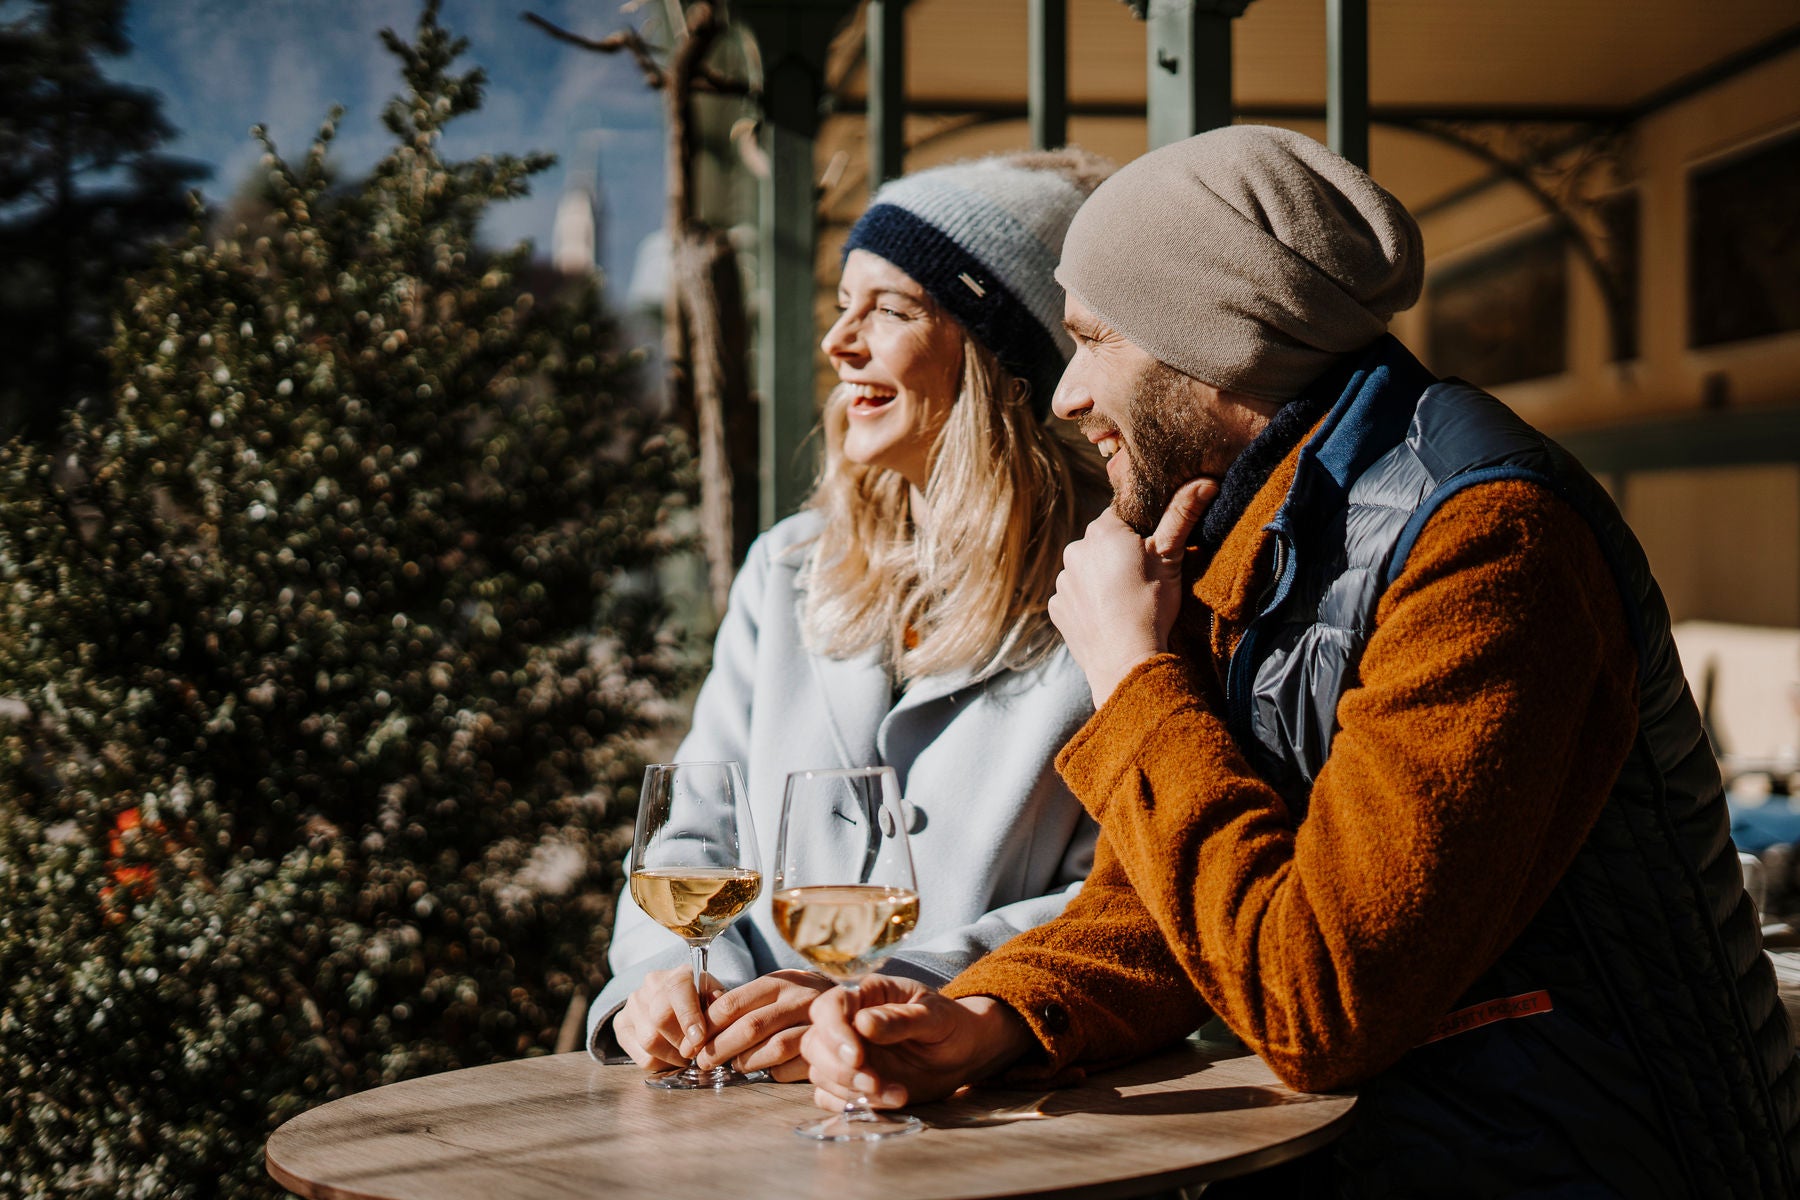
(921, 713)
(855, 693)
(864, 730)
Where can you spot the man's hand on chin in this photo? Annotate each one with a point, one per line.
(1118, 593)
(896, 1041)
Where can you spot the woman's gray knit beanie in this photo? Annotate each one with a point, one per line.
(1247, 257)
(982, 237)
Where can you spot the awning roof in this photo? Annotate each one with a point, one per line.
(1528, 58)
(1550, 53)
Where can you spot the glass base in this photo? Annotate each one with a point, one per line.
(863, 1125)
(692, 1079)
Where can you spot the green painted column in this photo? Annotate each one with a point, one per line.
(792, 37)
(1048, 33)
(1347, 79)
(1188, 67)
(886, 55)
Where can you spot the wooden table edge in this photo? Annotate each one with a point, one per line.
(305, 1187)
(1118, 1189)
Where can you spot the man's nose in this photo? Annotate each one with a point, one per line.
(1070, 399)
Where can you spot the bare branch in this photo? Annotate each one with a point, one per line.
(708, 80)
(629, 40)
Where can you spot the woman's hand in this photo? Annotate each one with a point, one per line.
(661, 1025)
(761, 1023)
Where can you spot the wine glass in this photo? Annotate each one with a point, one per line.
(694, 870)
(845, 898)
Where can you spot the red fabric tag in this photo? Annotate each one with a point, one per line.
(1487, 1012)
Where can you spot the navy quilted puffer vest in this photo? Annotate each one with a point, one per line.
(1666, 1064)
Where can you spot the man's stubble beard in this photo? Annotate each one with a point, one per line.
(1170, 438)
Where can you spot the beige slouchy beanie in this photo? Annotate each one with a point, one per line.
(1247, 257)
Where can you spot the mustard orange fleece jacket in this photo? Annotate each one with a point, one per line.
(1494, 708)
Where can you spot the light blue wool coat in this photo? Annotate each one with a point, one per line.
(998, 842)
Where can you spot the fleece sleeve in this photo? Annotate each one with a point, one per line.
(1494, 709)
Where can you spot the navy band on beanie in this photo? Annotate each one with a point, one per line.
(983, 238)
(973, 295)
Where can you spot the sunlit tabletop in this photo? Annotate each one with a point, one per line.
(565, 1126)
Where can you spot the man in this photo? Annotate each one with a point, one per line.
(1393, 760)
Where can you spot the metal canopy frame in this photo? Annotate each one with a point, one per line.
(1047, 106)
(1188, 89)
(1347, 79)
(886, 53)
(1188, 73)
(1733, 437)
(792, 37)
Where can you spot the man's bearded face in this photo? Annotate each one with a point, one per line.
(1169, 435)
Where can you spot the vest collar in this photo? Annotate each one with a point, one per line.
(1371, 417)
(1372, 413)
(1233, 579)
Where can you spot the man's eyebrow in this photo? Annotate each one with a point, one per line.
(1086, 329)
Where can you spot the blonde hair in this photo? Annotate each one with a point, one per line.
(968, 588)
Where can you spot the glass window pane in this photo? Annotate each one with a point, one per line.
(1503, 316)
(1744, 252)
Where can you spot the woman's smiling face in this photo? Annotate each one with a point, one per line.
(900, 356)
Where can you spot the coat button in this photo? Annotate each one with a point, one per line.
(1054, 1017)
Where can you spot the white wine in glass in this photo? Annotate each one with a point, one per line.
(845, 898)
(845, 930)
(694, 870)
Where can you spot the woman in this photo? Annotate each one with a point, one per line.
(900, 618)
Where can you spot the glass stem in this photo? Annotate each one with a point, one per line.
(857, 1109)
(697, 957)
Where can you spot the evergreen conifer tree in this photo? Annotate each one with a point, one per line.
(84, 194)
(325, 665)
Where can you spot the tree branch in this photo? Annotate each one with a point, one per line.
(710, 81)
(629, 40)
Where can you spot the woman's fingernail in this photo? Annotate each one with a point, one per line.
(696, 1033)
(863, 1082)
(847, 1052)
(890, 1095)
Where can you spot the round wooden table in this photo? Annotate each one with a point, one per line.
(565, 1126)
